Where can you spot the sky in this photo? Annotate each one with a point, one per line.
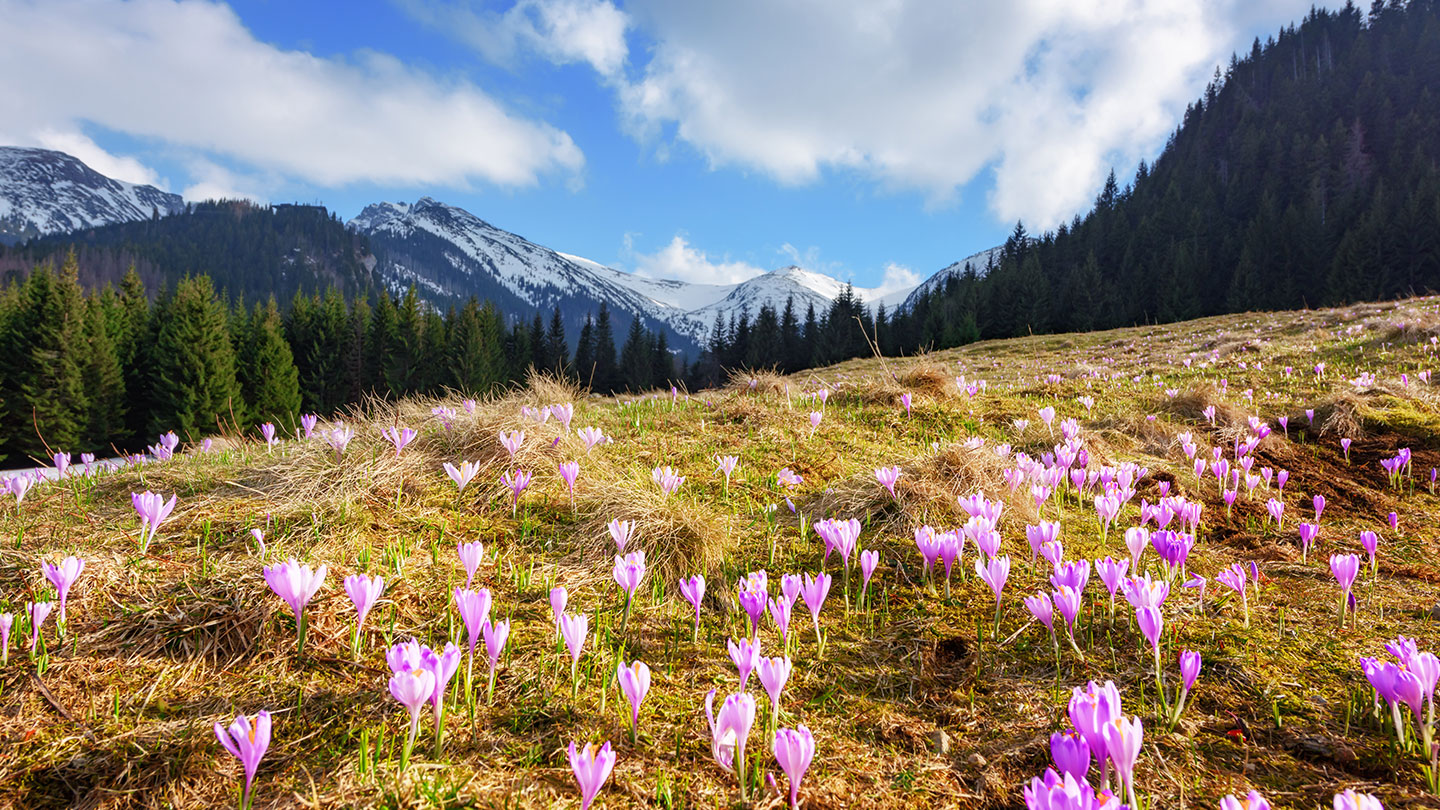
(874, 140)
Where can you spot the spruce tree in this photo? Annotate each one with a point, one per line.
(584, 366)
(192, 367)
(103, 374)
(557, 349)
(44, 361)
(266, 371)
(606, 380)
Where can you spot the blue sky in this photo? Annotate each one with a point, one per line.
(875, 142)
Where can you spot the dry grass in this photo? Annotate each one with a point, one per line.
(165, 644)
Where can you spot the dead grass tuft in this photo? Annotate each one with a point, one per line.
(1339, 416)
(927, 378)
(766, 381)
(680, 535)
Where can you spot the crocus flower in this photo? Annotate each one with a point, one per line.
(869, 560)
(621, 531)
(259, 535)
(1091, 710)
(574, 628)
(443, 665)
(994, 573)
(153, 510)
(1043, 610)
(411, 683)
(1070, 753)
(693, 589)
(1068, 602)
(1370, 541)
(516, 482)
(668, 479)
(1234, 578)
(399, 437)
(1345, 567)
(634, 682)
(7, 620)
(1253, 801)
(1308, 533)
(308, 422)
(591, 436)
(463, 474)
(474, 610)
(1350, 800)
(339, 438)
(297, 585)
(746, 656)
(814, 592)
(1111, 574)
(247, 740)
(38, 613)
(267, 431)
(364, 591)
(780, 611)
(794, 748)
(1137, 539)
(496, 634)
(726, 465)
(888, 476)
(1057, 792)
(511, 441)
(62, 462)
(569, 471)
(1038, 536)
(729, 730)
(752, 594)
(774, 673)
(629, 570)
(564, 413)
(62, 576)
(591, 768)
(1123, 739)
(559, 597)
(470, 555)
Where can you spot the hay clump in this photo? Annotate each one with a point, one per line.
(758, 383)
(926, 378)
(1339, 417)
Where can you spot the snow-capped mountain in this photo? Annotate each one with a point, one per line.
(45, 192)
(449, 254)
(979, 262)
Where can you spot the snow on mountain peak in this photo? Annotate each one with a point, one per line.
(44, 192)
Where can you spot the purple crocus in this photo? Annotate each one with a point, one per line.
(994, 573)
(629, 571)
(1070, 753)
(1189, 671)
(693, 589)
(62, 576)
(1123, 740)
(752, 595)
(888, 476)
(463, 474)
(569, 471)
(1308, 533)
(591, 767)
(746, 656)
(37, 612)
(7, 620)
(774, 673)
(399, 437)
(1370, 541)
(474, 610)
(496, 634)
(153, 510)
(297, 585)
(1091, 709)
(1067, 601)
(1253, 801)
(1111, 573)
(729, 729)
(267, 431)
(364, 591)
(247, 740)
(814, 592)
(621, 531)
(443, 665)
(1345, 567)
(780, 612)
(794, 749)
(411, 683)
(470, 555)
(869, 561)
(559, 597)
(62, 462)
(574, 628)
(634, 683)
(516, 481)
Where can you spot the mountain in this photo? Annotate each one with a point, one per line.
(450, 254)
(979, 263)
(250, 251)
(46, 192)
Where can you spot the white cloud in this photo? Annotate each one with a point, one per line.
(215, 182)
(189, 74)
(679, 260)
(922, 95)
(563, 31)
(120, 167)
(897, 278)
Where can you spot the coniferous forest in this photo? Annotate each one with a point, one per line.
(1308, 174)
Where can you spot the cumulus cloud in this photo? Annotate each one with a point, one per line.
(190, 75)
(120, 167)
(921, 95)
(563, 31)
(680, 260)
(897, 278)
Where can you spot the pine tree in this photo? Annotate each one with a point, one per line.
(266, 370)
(44, 362)
(192, 368)
(606, 380)
(585, 354)
(558, 351)
(636, 364)
(103, 374)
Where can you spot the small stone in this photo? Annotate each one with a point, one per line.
(940, 741)
(975, 760)
(1435, 611)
